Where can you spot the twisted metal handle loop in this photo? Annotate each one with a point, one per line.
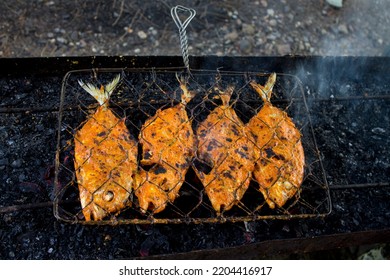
(182, 30)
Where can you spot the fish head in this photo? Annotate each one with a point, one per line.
(111, 198)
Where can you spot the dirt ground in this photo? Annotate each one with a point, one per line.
(260, 28)
(53, 28)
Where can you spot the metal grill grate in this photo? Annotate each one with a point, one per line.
(140, 94)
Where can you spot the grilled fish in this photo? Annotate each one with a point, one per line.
(279, 168)
(168, 147)
(225, 145)
(105, 158)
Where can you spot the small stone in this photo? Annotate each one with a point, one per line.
(50, 34)
(264, 3)
(3, 161)
(59, 30)
(378, 131)
(232, 36)
(273, 22)
(260, 41)
(272, 37)
(270, 12)
(16, 163)
(50, 250)
(142, 34)
(343, 29)
(82, 43)
(153, 31)
(245, 46)
(128, 29)
(335, 3)
(248, 29)
(74, 36)
(22, 177)
(283, 49)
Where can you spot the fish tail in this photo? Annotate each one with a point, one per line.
(187, 95)
(102, 94)
(225, 94)
(265, 91)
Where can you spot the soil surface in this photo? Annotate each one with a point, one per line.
(263, 27)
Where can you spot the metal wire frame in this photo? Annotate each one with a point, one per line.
(141, 93)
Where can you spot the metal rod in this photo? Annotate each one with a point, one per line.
(353, 186)
(14, 208)
(73, 108)
(182, 30)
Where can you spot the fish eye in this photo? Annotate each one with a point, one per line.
(108, 196)
(287, 185)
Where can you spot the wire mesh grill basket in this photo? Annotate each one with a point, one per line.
(141, 93)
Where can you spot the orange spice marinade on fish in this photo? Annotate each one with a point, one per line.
(105, 158)
(168, 147)
(226, 146)
(279, 168)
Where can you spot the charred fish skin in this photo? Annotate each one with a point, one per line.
(168, 146)
(105, 158)
(225, 144)
(279, 168)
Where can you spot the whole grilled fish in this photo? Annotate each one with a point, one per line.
(279, 168)
(168, 147)
(225, 144)
(105, 158)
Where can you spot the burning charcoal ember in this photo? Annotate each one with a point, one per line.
(105, 158)
(168, 146)
(280, 161)
(227, 147)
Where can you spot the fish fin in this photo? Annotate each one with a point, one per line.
(101, 94)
